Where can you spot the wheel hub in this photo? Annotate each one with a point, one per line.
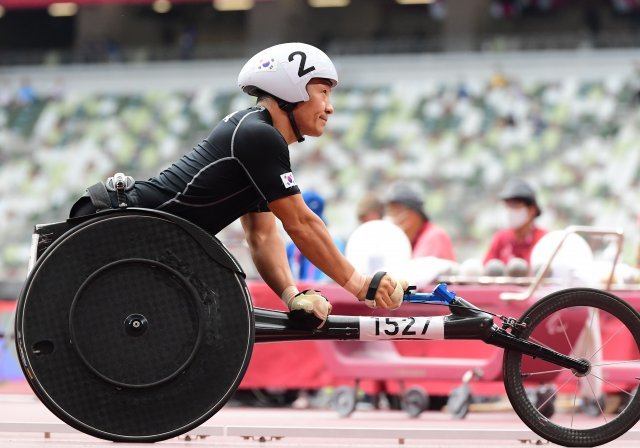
(587, 368)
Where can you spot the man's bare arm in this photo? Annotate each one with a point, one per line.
(269, 257)
(311, 236)
(267, 250)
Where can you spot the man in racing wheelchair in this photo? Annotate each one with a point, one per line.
(242, 170)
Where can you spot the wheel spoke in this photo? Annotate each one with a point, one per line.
(613, 363)
(547, 400)
(564, 331)
(607, 341)
(564, 384)
(528, 374)
(597, 400)
(575, 399)
(613, 385)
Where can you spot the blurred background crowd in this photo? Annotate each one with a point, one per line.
(456, 97)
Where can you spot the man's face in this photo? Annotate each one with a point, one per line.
(311, 116)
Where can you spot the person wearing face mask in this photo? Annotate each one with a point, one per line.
(404, 207)
(522, 234)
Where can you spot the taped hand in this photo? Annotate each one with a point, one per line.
(385, 291)
(312, 302)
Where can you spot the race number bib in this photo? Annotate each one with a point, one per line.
(374, 328)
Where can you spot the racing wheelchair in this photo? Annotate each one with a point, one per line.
(136, 325)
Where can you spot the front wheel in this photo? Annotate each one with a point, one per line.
(586, 324)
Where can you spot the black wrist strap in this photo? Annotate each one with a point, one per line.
(373, 286)
(307, 291)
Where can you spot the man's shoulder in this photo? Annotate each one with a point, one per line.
(257, 117)
(255, 123)
(246, 130)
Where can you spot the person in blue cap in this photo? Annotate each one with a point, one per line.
(301, 267)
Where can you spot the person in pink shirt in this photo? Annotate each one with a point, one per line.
(404, 206)
(522, 234)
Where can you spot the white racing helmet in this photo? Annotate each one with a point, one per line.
(284, 71)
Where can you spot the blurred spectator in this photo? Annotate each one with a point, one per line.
(592, 22)
(57, 89)
(500, 9)
(404, 206)
(6, 94)
(26, 93)
(498, 79)
(187, 42)
(370, 207)
(521, 235)
(301, 267)
(112, 49)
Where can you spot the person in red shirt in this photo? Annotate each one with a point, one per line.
(404, 206)
(518, 240)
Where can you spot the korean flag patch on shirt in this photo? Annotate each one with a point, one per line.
(287, 180)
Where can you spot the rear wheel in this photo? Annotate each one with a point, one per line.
(134, 326)
(586, 324)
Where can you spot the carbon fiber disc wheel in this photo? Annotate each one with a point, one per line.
(134, 326)
(587, 324)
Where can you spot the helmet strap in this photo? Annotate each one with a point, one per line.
(288, 108)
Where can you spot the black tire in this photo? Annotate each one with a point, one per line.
(552, 322)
